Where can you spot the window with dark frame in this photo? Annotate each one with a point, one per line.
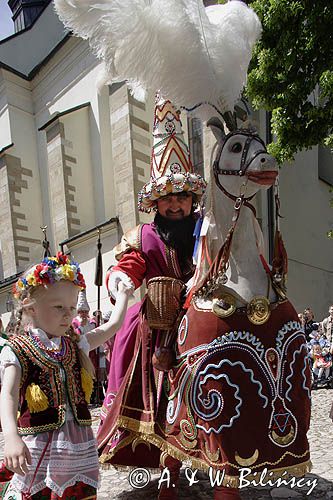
(195, 133)
(325, 165)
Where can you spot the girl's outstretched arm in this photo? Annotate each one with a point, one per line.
(105, 332)
(16, 453)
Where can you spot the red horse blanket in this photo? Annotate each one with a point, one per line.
(240, 394)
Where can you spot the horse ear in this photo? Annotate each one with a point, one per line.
(217, 128)
(241, 114)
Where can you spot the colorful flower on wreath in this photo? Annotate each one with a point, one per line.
(50, 262)
(68, 272)
(50, 270)
(31, 280)
(62, 258)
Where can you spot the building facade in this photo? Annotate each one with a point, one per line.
(73, 158)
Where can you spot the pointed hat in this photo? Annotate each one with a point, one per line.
(170, 165)
(82, 303)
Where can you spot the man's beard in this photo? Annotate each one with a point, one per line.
(177, 234)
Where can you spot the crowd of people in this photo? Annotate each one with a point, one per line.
(320, 346)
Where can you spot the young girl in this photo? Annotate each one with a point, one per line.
(322, 361)
(47, 376)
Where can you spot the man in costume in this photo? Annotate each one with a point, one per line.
(162, 248)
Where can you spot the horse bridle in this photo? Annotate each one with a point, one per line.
(244, 163)
(219, 265)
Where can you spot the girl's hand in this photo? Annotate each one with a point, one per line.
(124, 288)
(16, 455)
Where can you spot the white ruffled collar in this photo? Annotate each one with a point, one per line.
(53, 342)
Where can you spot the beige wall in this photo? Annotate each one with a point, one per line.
(5, 132)
(20, 201)
(305, 206)
(80, 164)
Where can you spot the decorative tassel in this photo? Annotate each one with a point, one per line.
(36, 399)
(87, 384)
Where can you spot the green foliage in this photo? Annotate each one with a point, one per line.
(291, 73)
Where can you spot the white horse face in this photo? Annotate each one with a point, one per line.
(243, 160)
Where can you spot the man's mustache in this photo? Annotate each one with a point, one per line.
(173, 212)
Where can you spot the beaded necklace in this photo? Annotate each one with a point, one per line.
(56, 353)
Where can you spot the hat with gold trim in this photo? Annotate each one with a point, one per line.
(171, 167)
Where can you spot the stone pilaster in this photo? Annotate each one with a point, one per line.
(130, 136)
(62, 192)
(14, 233)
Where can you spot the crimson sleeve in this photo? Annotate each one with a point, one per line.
(134, 265)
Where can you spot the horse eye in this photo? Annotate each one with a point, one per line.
(236, 148)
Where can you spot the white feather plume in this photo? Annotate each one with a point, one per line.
(190, 53)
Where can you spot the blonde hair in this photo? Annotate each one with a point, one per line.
(20, 313)
(85, 361)
(22, 321)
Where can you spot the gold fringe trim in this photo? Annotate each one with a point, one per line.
(298, 470)
(136, 409)
(136, 425)
(104, 458)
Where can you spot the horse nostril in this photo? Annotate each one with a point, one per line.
(263, 160)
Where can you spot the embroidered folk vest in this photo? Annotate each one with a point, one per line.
(42, 370)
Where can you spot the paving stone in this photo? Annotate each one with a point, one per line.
(283, 492)
(115, 485)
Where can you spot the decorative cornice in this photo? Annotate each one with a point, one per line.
(7, 282)
(89, 233)
(63, 113)
(12, 70)
(5, 148)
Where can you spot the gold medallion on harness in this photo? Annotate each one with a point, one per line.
(224, 306)
(258, 310)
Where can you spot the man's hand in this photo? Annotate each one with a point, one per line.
(125, 288)
(115, 279)
(16, 455)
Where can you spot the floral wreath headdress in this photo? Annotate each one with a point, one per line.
(50, 271)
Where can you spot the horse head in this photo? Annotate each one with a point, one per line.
(241, 168)
(242, 160)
